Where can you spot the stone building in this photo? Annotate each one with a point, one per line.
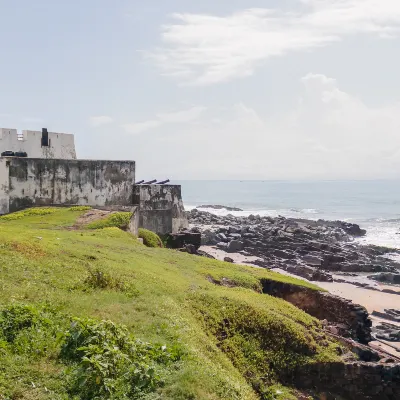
(40, 168)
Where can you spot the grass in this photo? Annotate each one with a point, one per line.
(150, 239)
(201, 340)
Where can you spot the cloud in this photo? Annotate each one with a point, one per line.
(177, 117)
(100, 120)
(329, 134)
(204, 49)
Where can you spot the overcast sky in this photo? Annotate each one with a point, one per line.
(238, 89)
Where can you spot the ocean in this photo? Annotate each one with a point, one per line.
(374, 205)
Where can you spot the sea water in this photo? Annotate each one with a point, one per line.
(374, 205)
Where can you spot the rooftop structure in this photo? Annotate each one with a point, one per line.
(38, 144)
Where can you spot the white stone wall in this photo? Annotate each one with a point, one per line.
(61, 145)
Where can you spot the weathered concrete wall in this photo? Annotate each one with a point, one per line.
(133, 226)
(4, 196)
(158, 221)
(161, 198)
(61, 145)
(36, 182)
(350, 381)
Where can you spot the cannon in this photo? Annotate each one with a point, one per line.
(138, 183)
(150, 182)
(163, 182)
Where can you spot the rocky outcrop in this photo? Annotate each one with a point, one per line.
(219, 207)
(312, 249)
(348, 319)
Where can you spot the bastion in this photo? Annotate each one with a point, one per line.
(41, 169)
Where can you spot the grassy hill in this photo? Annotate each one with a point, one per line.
(94, 314)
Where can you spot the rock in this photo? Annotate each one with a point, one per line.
(221, 237)
(205, 254)
(283, 242)
(284, 254)
(386, 277)
(234, 229)
(313, 261)
(249, 235)
(183, 238)
(228, 259)
(208, 237)
(235, 246)
(222, 246)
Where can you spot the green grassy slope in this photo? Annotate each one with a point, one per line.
(206, 341)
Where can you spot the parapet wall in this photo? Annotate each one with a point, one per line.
(27, 182)
(60, 145)
(161, 208)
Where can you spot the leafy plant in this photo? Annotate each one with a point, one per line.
(80, 208)
(109, 363)
(150, 239)
(118, 219)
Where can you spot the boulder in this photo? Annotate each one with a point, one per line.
(235, 246)
(313, 261)
(222, 237)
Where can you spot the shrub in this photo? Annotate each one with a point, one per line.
(119, 220)
(108, 362)
(150, 239)
(28, 212)
(80, 208)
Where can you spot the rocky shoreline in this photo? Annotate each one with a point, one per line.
(320, 251)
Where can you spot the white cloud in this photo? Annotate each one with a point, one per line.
(205, 49)
(177, 117)
(330, 134)
(100, 120)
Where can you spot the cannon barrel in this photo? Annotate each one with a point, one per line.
(150, 182)
(138, 183)
(163, 182)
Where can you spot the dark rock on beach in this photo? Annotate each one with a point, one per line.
(315, 250)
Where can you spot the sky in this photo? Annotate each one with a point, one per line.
(238, 89)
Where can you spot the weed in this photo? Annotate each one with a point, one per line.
(28, 330)
(98, 279)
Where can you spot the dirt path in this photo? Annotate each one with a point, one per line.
(90, 216)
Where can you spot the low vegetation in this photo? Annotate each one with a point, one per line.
(80, 208)
(29, 212)
(93, 314)
(150, 239)
(118, 220)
